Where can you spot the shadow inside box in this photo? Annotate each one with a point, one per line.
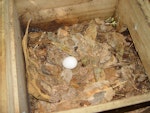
(138, 108)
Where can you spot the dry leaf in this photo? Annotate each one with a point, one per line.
(91, 31)
(44, 107)
(109, 94)
(66, 75)
(32, 75)
(117, 41)
(62, 33)
(97, 98)
(70, 94)
(50, 69)
(66, 105)
(94, 88)
(111, 74)
(105, 54)
(107, 67)
(111, 62)
(99, 21)
(34, 35)
(97, 73)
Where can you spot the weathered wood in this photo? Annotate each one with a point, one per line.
(32, 5)
(3, 81)
(70, 13)
(111, 105)
(145, 5)
(131, 14)
(12, 80)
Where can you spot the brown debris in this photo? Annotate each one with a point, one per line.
(108, 67)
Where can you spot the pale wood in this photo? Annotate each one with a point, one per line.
(3, 81)
(145, 5)
(13, 92)
(131, 14)
(111, 105)
(35, 5)
(71, 13)
(12, 81)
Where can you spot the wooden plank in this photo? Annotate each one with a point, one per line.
(3, 81)
(14, 61)
(131, 14)
(71, 13)
(111, 105)
(145, 5)
(13, 91)
(36, 5)
(19, 67)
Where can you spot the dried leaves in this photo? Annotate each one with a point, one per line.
(108, 66)
(66, 75)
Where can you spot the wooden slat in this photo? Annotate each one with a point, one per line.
(3, 81)
(13, 97)
(131, 14)
(111, 105)
(71, 13)
(145, 5)
(35, 5)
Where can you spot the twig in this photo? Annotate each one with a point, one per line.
(40, 39)
(131, 45)
(132, 83)
(119, 84)
(24, 44)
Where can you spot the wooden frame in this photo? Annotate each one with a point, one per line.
(131, 14)
(13, 96)
(3, 84)
(69, 12)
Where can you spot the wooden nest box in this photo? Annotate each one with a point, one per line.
(131, 14)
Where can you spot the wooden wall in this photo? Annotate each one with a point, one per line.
(135, 16)
(46, 13)
(3, 81)
(12, 72)
(13, 96)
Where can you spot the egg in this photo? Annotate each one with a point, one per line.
(70, 62)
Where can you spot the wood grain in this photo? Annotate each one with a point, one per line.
(12, 79)
(36, 5)
(111, 105)
(71, 13)
(130, 13)
(145, 5)
(3, 81)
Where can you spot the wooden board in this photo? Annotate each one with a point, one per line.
(32, 5)
(13, 96)
(145, 6)
(131, 14)
(68, 14)
(111, 105)
(3, 81)
(12, 82)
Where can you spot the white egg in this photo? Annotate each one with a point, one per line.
(70, 62)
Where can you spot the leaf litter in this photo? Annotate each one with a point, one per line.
(108, 69)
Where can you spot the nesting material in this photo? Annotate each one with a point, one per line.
(108, 67)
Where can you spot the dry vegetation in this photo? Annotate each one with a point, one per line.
(109, 67)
